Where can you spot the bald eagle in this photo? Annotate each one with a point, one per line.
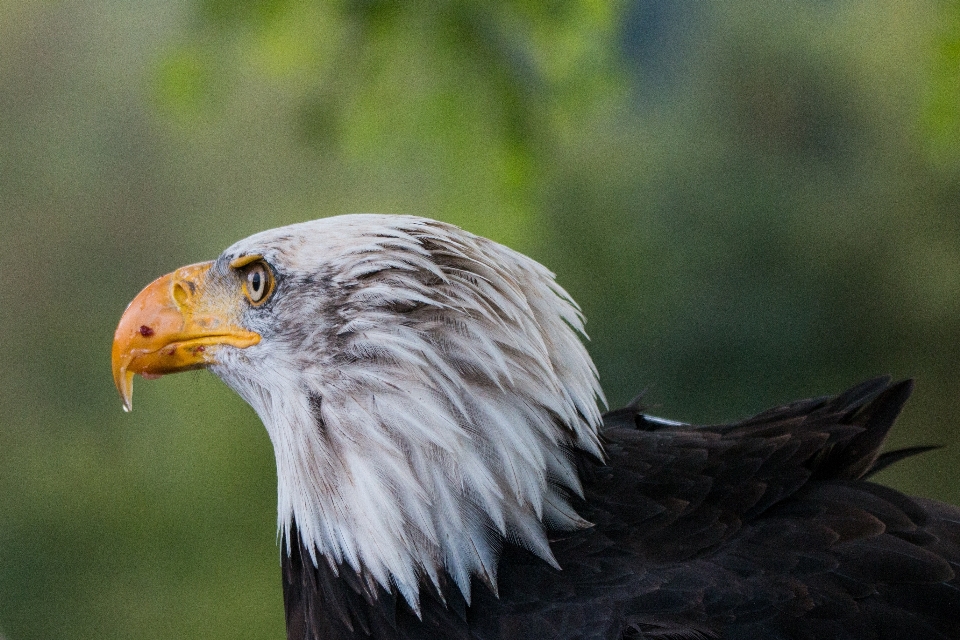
(444, 470)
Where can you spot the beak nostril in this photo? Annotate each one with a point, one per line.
(180, 293)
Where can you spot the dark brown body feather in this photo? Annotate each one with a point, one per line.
(765, 528)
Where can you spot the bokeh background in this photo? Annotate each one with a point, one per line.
(752, 201)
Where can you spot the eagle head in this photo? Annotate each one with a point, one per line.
(424, 388)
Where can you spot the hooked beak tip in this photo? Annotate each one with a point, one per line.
(124, 382)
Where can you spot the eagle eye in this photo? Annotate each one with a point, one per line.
(258, 282)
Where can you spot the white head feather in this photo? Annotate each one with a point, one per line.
(422, 387)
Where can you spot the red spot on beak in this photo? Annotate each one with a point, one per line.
(145, 331)
(201, 349)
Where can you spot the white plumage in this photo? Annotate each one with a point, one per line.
(421, 386)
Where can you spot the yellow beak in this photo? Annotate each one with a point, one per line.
(170, 327)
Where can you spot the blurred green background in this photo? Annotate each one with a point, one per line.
(752, 201)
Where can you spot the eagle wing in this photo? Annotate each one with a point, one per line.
(764, 528)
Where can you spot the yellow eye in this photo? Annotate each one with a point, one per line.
(257, 282)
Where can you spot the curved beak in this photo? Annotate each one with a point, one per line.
(169, 327)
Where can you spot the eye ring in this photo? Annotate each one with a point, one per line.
(258, 282)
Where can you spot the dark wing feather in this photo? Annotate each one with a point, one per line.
(760, 528)
(773, 516)
(884, 460)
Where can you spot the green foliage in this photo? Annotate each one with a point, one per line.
(942, 118)
(185, 84)
(752, 201)
(462, 98)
